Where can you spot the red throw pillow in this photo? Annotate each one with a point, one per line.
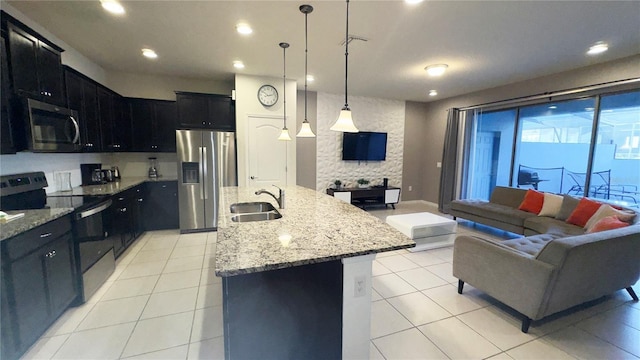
(608, 223)
(533, 201)
(583, 212)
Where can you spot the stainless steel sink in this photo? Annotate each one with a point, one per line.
(257, 216)
(252, 207)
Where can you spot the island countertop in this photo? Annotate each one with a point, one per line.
(314, 228)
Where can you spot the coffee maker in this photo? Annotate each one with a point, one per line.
(89, 174)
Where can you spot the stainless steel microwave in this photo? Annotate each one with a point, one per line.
(52, 128)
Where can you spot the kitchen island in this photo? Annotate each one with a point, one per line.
(299, 286)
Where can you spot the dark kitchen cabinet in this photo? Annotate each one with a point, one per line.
(137, 215)
(7, 145)
(35, 63)
(161, 206)
(115, 121)
(125, 220)
(82, 96)
(206, 111)
(153, 123)
(39, 279)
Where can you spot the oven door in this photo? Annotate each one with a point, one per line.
(52, 128)
(91, 226)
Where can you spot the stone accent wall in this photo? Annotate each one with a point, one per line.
(369, 114)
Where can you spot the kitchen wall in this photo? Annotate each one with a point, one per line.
(247, 105)
(434, 115)
(306, 147)
(369, 114)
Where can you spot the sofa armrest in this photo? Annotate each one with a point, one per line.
(515, 278)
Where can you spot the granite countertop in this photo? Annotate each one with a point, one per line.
(112, 187)
(31, 219)
(314, 228)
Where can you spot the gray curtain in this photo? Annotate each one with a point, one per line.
(451, 158)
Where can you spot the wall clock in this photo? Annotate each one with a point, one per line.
(267, 95)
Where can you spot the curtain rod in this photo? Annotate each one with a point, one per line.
(552, 94)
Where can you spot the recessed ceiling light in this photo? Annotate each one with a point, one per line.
(412, 2)
(553, 107)
(598, 48)
(436, 70)
(310, 78)
(238, 64)
(149, 53)
(112, 6)
(244, 29)
(433, 93)
(589, 109)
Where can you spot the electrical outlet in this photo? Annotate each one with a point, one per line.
(360, 286)
(438, 164)
(410, 188)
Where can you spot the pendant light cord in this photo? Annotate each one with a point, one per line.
(306, 50)
(346, 59)
(284, 80)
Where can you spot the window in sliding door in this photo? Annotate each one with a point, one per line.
(490, 152)
(616, 164)
(552, 146)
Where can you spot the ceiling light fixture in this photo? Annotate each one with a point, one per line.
(112, 6)
(148, 53)
(345, 122)
(305, 129)
(310, 78)
(598, 48)
(436, 70)
(433, 93)
(238, 64)
(284, 135)
(244, 29)
(413, 2)
(553, 107)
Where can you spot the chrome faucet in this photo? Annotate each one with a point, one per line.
(279, 199)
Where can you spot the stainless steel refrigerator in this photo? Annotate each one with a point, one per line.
(206, 161)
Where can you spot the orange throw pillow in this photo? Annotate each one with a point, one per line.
(583, 212)
(608, 223)
(533, 201)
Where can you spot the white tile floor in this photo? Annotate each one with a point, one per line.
(164, 302)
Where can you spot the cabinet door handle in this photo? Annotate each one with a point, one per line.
(139, 200)
(51, 254)
(45, 235)
(123, 210)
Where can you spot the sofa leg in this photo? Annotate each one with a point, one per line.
(525, 324)
(632, 293)
(460, 286)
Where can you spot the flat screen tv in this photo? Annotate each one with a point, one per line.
(364, 146)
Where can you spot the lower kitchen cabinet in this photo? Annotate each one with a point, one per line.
(39, 282)
(123, 219)
(160, 210)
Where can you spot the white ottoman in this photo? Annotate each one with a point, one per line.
(428, 230)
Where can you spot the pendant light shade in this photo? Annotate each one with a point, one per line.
(345, 122)
(305, 129)
(284, 135)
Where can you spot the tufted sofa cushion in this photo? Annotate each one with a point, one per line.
(532, 244)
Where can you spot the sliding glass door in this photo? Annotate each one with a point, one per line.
(584, 147)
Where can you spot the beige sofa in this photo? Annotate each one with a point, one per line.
(543, 274)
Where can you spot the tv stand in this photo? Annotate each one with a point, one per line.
(368, 196)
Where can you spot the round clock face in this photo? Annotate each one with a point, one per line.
(267, 95)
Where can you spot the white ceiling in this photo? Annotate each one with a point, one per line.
(485, 43)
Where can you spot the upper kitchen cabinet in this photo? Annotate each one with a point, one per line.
(82, 96)
(7, 145)
(115, 121)
(153, 124)
(34, 62)
(206, 111)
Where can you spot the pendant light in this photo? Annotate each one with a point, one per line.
(284, 135)
(344, 122)
(305, 129)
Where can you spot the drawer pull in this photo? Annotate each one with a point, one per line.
(139, 200)
(51, 254)
(42, 236)
(123, 210)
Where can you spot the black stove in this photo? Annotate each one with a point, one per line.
(91, 223)
(26, 192)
